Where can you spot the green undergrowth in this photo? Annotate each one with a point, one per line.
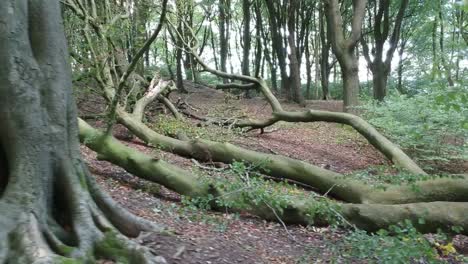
(168, 125)
(433, 127)
(243, 188)
(399, 244)
(380, 176)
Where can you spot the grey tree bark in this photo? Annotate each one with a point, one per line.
(379, 65)
(52, 210)
(345, 48)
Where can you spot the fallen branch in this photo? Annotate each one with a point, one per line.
(371, 217)
(443, 189)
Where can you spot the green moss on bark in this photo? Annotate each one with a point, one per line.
(112, 247)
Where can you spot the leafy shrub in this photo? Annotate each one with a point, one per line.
(382, 176)
(245, 189)
(404, 245)
(431, 125)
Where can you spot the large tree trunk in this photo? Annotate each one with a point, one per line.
(224, 8)
(51, 210)
(324, 55)
(380, 65)
(379, 80)
(277, 45)
(350, 78)
(345, 47)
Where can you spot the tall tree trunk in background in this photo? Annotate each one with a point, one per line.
(142, 16)
(167, 57)
(308, 68)
(258, 39)
(224, 9)
(447, 66)
(187, 12)
(294, 64)
(435, 58)
(325, 68)
(246, 37)
(459, 18)
(214, 48)
(317, 65)
(246, 41)
(270, 55)
(344, 49)
(400, 69)
(379, 66)
(179, 61)
(278, 44)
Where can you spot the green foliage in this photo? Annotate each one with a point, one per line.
(380, 176)
(113, 247)
(244, 189)
(431, 125)
(402, 244)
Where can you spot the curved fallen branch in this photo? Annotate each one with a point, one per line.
(283, 167)
(385, 146)
(381, 143)
(370, 217)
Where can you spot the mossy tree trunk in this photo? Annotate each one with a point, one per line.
(51, 210)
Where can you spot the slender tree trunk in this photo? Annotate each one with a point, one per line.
(246, 37)
(447, 66)
(224, 7)
(294, 64)
(278, 45)
(247, 41)
(308, 68)
(179, 74)
(324, 55)
(400, 67)
(141, 17)
(382, 36)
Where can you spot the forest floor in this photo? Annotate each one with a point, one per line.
(202, 236)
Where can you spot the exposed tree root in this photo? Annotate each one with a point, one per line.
(79, 233)
(47, 212)
(3, 170)
(367, 216)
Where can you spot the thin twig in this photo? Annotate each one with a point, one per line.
(281, 221)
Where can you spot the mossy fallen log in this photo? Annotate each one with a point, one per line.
(425, 216)
(325, 181)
